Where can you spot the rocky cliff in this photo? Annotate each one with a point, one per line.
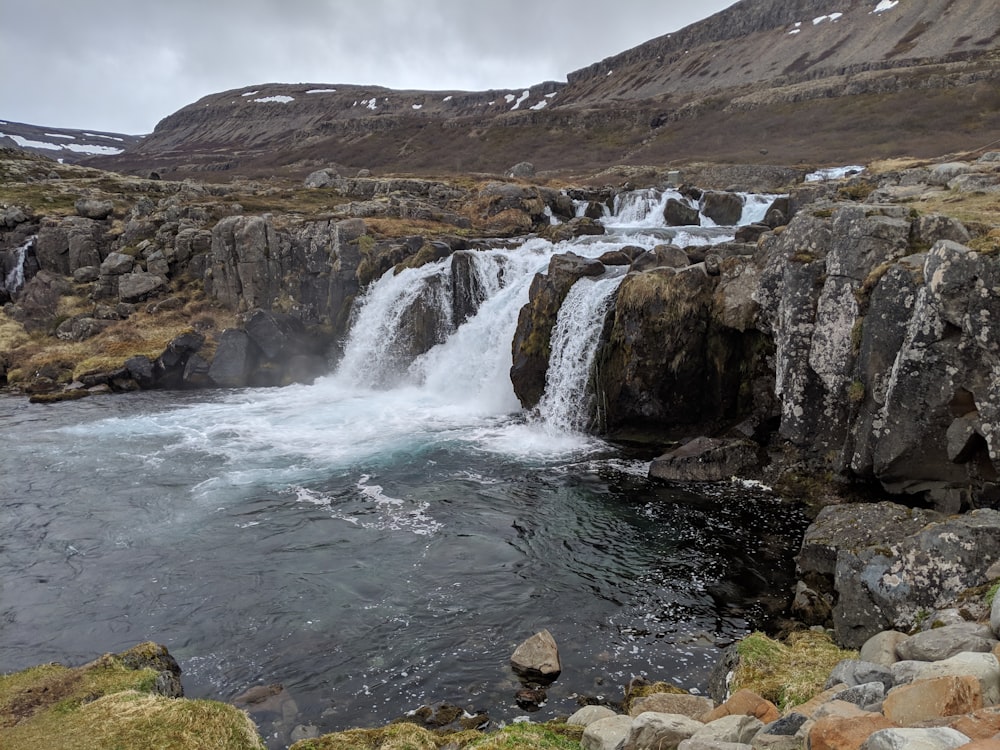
(763, 81)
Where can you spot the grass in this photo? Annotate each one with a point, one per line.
(108, 704)
(406, 736)
(790, 673)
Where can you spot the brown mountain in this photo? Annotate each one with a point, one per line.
(764, 81)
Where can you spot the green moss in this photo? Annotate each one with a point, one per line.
(401, 736)
(992, 594)
(856, 392)
(525, 736)
(788, 673)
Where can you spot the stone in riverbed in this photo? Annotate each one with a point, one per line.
(537, 659)
(589, 714)
(706, 459)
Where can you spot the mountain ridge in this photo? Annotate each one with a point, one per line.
(770, 72)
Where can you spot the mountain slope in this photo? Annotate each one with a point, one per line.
(799, 80)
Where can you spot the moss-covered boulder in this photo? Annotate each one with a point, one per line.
(118, 701)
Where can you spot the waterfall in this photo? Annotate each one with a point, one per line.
(14, 279)
(565, 403)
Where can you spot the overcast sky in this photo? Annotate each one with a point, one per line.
(123, 65)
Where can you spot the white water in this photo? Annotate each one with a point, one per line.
(563, 407)
(14, 279)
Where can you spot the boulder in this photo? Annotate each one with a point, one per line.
(881, 647)
(890, 586)
(522, 170)
(745, 702)
(707, 460)
(139, 285)
(725, 209)
(321, 178)
(679, 214)
(941, 643)
(692, 706)
(983, 667)
(662, 256)
(979, 725)
(696, 743)
(854, 672)
(863, 695)
(537, 659)
(235, 360)
(933, 698)
(653, 730)
(840, 732)
(606, 734)
(587, 715)
(90, 208)
(729, 729)
(117, 264)
(995, 616)
(938, 738)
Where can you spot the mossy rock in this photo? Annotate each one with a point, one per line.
(112, 703)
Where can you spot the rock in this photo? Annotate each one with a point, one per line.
(729, 729)
(537, 658)
(579, 226)
(662, 256)
(321, 178)
(692, 706)
(589, 714)
(751, 232)
(840, 733)
(926, 699)
(521, 170)
(530, 699)
(890, 586)
(679, 214)
(841, 709)
(939, 738)
(696, 743)
(606, 734)
(995, 616)
(944, 642)
(94, 209)
(653, 730)
(139, 285)
(865, 694)
(929, 228)
(117, 264)
(983, 667)
(854, 672)
(304, 732)
(140, 369)
(725, 209)
(942, 174)
(811, 607)
(787, 725)
(979, 725)
(882, 647)
(745, 703)
(86, 274)
(234, 360)
(706, 460)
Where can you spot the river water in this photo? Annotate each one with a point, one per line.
(384, 537)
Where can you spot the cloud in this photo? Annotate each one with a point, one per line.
(122, 65)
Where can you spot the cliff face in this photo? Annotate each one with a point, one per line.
(809, 80)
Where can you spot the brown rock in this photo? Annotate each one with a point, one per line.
(745, 703)
(692, 706)
(933, 698)
(537, 658)
(979, 725)
(845, 732)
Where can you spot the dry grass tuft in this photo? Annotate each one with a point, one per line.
(788, 673)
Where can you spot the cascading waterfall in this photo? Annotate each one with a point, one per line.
(564, 404)
(14, 279)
